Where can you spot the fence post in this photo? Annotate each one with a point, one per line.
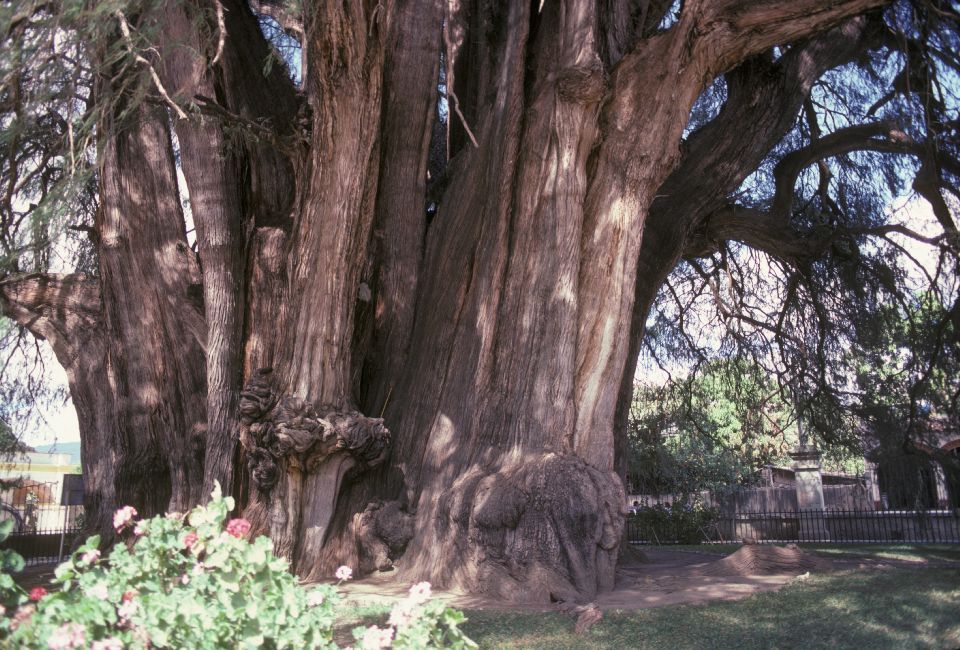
(63, 534)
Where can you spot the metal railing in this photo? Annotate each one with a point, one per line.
(824, 526)
(43, 530)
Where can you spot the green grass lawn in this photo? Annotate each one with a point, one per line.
(893, 608)
(900, 552)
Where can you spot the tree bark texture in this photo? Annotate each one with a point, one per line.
(496, 340)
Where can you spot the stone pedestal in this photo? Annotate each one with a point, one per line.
(806, 469)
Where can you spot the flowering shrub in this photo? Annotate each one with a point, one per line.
(13, 600)
(189, 581)
(417, 622)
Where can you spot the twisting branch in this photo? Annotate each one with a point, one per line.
(877, 136)
(128, 40)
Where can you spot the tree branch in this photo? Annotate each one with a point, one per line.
(877, 136)
(769, 232)
(283, 144)
(733, 30)
(125, 29)
(63, 309)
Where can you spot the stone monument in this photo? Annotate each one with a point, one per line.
(806, 469)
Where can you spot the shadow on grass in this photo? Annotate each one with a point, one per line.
(896, 552)
(902, 608)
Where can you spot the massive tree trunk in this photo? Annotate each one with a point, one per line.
(495, 340)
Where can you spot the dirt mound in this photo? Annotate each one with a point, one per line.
(755, 559)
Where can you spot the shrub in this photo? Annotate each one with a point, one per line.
(679, 522)
(193, 581)
(12, 597)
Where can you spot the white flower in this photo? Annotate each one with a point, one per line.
(402, 614)
(315, 598)
(420, 592)
(90, 556)
(374, 638)
(98, 591)
(343, 573)
(110, 643)
(123, 516)
(184, 579)
(68, 635)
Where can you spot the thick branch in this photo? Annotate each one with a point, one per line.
(53, 307)
(879, 136)
(734, 30)
(763, 97)
(766, 231)
(759, 229)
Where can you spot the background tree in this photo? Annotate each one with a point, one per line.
(714, 430)
(491, 310)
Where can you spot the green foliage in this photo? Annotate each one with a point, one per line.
(676, 523)
(908, 376)
(11, 595)
(185, 581)
(719, 426)
(907, 364)
(713, 431)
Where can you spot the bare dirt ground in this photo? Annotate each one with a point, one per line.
(653, 578)
(683, 577)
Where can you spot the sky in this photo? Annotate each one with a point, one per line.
(55, 424)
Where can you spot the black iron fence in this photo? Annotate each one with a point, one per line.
(825, 526)
(43, 530)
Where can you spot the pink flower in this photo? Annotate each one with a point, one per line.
(129, 595)
(110, 643)
(343, 573)
(315, 598)
(127, 610)
(68, 635)
(99, 591)
(37, 594)
(22, 615)
(189, 539)
(238, 528)
(90, 556)
(140, 529)
(123, 517)
(420, 592)
(374, 638)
